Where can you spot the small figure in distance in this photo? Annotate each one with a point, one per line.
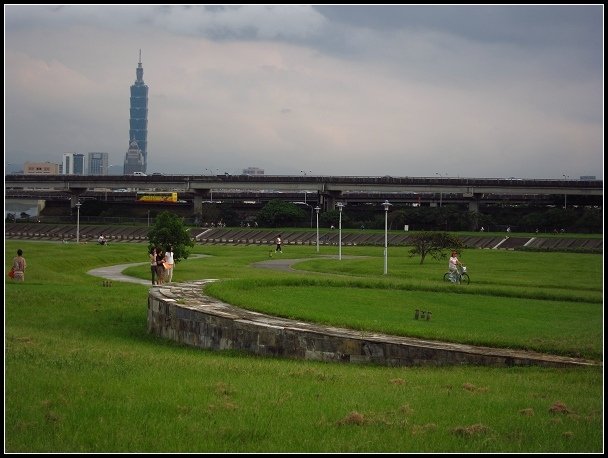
(19, 266)
(278, 249)
(482, 229)
(102, 240)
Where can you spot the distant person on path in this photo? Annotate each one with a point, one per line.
(153, 265)
(19, 266)
(160, 268)
(509, 229)
(453, 264)
(168, 264)
(278, 249)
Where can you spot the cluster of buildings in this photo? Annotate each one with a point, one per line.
(72, 164)
(136, 157)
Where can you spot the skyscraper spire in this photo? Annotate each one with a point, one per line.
(138, 119)
(139, 73)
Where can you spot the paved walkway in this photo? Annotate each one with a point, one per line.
(192, 292)
(114, 273)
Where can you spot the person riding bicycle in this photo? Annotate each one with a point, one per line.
(453, 264)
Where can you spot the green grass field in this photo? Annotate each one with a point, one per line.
(83, 375)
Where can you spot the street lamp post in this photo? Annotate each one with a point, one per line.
(565, 195)
(78, 204)
(386, 205)
(317, 210)
(340, 205)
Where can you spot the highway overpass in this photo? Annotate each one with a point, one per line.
(325, 191)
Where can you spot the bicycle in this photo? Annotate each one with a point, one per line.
(460, 276)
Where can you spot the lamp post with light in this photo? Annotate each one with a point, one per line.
(78, 204)
(386, 205)
(340, 205)
(317, 208)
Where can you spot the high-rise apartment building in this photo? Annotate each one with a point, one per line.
(73, 164)
(138, 117)
(97, 163)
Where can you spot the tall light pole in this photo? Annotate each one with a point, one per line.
(565, 195)
(340, 205)
(317, 210)
(78, 204)
(386, 205)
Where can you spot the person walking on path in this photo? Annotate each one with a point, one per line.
(19, 266)
(278, 248)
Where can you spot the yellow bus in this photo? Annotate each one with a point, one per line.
(154, 197)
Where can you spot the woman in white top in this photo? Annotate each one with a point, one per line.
(169, 264)
(453, 264)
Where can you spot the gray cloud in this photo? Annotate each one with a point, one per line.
(353, 90)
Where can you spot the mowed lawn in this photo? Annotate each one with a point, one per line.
(83, 375)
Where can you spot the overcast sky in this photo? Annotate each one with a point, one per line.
(469, 91)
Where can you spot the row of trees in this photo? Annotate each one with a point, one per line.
(446, 218)
(278, 213)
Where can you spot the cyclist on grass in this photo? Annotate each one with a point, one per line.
(453, 264)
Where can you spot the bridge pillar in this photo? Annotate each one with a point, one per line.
(474, 205)
(197, 202)
(474, 209)
(75, 195)
(327, 200)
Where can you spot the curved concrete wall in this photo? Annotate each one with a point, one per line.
(181, 312)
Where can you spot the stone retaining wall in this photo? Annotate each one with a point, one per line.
(181, 312)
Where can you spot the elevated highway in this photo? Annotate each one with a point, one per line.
(327, 190)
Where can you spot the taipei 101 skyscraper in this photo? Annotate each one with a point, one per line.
(138, 119)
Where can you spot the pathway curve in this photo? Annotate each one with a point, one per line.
(192, 292)
(114, 273)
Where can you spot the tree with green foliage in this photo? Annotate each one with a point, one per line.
(433, 243)
(277, 213)
(169, 230)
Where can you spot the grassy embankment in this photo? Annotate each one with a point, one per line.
(83, 375)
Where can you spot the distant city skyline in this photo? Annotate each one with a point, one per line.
(400, 90)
